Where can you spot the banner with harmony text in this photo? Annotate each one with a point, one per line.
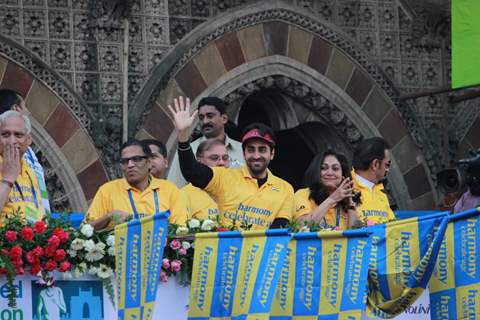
(402, 260)
(324, 276)
(235, 273)
(139, 248)
(455, 283)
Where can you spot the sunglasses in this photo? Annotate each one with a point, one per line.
(135, 159)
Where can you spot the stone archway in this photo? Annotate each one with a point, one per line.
(60, 128)
(274, 39)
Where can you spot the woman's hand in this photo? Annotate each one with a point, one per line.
(343, 191)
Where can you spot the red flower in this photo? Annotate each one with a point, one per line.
(19, 270)
(35, 269)
(222, 229)
(60, 254)
(61, 234)
(51, 265)
(39, 227)
(27, 234)
(54, 241)
(3, 271)
(30, 256)
(50, 251)
(175, 244)
(64, 266)
(16, 253)
(17, 262)
(11, 235)
(38, 251)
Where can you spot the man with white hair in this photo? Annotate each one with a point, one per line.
(19, 190)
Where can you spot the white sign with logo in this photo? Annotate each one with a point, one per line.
(420, 310)
(83, 298)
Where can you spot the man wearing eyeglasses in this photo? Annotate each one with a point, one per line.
(212, 153)
(136, 195)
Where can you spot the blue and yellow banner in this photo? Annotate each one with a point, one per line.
(324, 276)
(455, 284)
(139, 248)
(235, 273)
(402, 260)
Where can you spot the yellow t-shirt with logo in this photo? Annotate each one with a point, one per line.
(113, 195)
(304, 205)
(241, 200)
(200, 205)
(24, 197)
(374, 204)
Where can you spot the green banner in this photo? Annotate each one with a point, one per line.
(465, 43)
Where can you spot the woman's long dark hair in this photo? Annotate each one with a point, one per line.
(312, 178)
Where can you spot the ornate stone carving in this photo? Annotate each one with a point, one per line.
(311, 99)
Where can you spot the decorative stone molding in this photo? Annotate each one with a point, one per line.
(310, 98)
(46, 74)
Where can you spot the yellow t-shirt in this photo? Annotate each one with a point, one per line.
(113, 195)
(304, 205)
(24, 197)
(201, 206)
(240, 199)
(374, 204)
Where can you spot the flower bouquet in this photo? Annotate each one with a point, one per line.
(179, 249)
(39, 249)
(93, 253)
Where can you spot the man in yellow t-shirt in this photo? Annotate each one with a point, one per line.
(19, 190)
(212, 153)
(247, 196)
(137, 194)
(371, 162)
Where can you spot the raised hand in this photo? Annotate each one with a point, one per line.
(182, 119)
(343, 191)
(11, 166)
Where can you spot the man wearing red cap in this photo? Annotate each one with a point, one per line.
(247, 196)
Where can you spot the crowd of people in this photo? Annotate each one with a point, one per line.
(214, 177)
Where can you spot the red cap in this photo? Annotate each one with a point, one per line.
(254, 133)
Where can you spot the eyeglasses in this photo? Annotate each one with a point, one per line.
(135, 159)
(216, 157)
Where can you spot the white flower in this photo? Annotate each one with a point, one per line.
(77, 244)
(78, 272)
(208, 225)
(100, 246)
(95, 255)
(87, 230)
(193, 223)
(304, 229)
(186, 245)
(104, 271)
(182, 230)
(72, 253)
(111, 251)
(92, 270)
(89, 245)
(111, 240)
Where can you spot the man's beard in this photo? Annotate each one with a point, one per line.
(257, 170)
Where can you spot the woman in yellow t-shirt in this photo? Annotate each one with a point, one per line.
(327, 198)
